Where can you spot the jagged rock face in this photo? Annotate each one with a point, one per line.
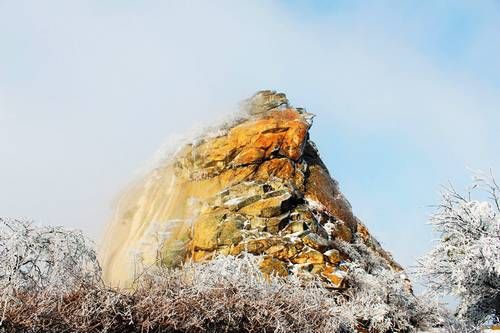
(258, 186)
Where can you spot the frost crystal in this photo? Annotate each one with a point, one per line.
(466, 260)
(42, 258)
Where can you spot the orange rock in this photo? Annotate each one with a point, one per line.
(257, 186)
(279, 167)
(315, 241)
(294, 226)
(276, 224)
(250, 155)
(333, 275)
(256, 246)
(283, 251)
(206, 231)
(341, 231)
(308, 255)
(321, 188)
(333, 256)
(317, 268)
(363, 232)
(229, 177)
(270, 266)
(282, 131)
(268, 207)
(200, 255)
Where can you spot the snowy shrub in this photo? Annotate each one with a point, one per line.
(53, 280)
(226, 294)
(383, 299)
(466, 260)
(36, 258)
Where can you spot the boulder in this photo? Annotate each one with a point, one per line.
(254, 185)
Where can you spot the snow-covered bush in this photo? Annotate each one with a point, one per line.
(34, 258)
(466, 260)
(53, 278)
(226, 294)
(383, 300)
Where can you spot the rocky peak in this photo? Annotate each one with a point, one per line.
(257, 186)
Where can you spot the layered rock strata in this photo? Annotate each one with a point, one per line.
(258, 185)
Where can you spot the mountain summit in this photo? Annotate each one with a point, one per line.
(257, 185)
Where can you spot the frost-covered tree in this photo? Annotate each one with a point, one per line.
(35, 258)
(466, 260)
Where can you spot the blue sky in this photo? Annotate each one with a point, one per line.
(406, 93)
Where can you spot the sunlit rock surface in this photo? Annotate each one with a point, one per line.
(255, 185)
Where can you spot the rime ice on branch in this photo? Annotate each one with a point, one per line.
(35, 258)
(466, 259)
